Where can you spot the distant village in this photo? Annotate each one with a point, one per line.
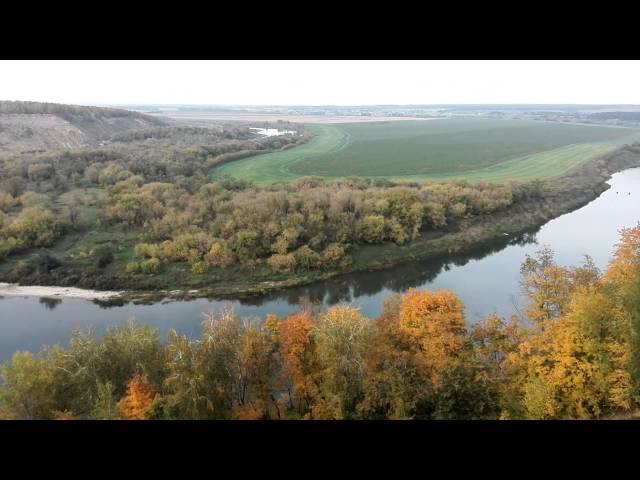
(619, 115)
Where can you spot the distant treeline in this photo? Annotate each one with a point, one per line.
(624, 116)
(66, 111)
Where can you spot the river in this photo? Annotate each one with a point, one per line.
(486, 280)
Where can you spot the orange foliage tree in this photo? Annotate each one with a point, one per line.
(258, 367)
(297, 348)
(395, 383)
(137, 402)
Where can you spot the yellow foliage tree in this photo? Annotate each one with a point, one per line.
(577, 366)
(343, 337)
(626, 256)
(435, 322)
(546, 284)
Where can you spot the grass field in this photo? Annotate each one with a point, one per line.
(476, 149)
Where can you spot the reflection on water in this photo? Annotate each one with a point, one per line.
(350, 287)
(486, 280)
(50, 303)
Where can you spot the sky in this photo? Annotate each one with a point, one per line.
(320, 82)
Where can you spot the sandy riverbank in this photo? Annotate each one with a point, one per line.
(12, 289)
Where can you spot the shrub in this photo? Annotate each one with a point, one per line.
(8, 246)
(306, 258)
(220, 256)
(151, 266)
(334, 256)
(282, 263)
(36, 227)
(246, 246)
(133, 267)
(146, 250)
(6, 201)
(104, 255)
(199, 267)
(23, 268)
(372, 229)
(396, 232)
(44, 262)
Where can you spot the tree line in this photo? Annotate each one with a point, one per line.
(68, 112)
(573, 353)
(308, 225)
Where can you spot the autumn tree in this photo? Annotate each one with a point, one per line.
(434, 321)
(626, 257)
(259, 366)
(578, 365)
(106, 404)
(373, 229)
(343, 336)
(28, 387)
(188, 394)
(492, 341)
(396, 384)
(298, 350)
(137, 402)
(546, 285)
(622, 282)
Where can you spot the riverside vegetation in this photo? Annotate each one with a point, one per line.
(121, 230)
(574, 353)
(135, 208)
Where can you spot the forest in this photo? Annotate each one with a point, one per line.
(574, 353)
(142, 206)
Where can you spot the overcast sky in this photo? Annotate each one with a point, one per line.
(314, 82)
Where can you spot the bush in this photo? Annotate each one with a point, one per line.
(306, 258)
(146, 250)
(396, 232)
(334, 256)
(220, 256)
(282, 263)
(372, 229)
(35, 227)
(133, 267)
(23, 268)
(199, 267)
(8, 246)
(6, 201)
(44, 263)
(104, 255)
(247, 246)
(151, 266)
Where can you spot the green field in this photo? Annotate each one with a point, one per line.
(476, 149)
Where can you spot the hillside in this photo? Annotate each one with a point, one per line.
(33, 126)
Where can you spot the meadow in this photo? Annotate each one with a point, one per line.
(474, 149)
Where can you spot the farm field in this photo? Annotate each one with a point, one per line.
(475, 149)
